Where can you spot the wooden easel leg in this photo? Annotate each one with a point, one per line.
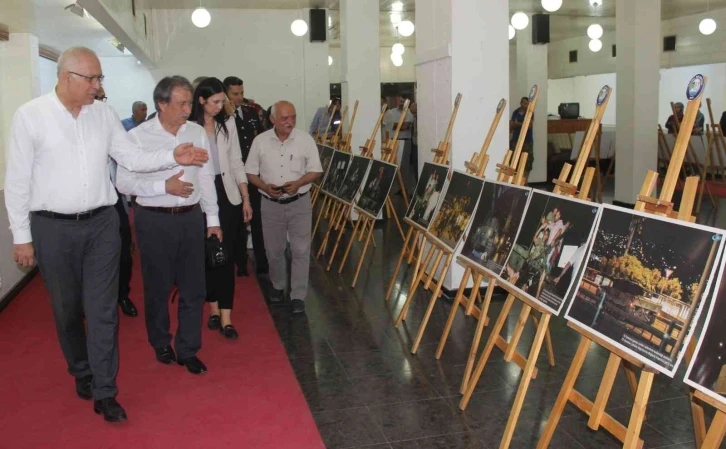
(699, 421)
(637, 415)
(432, 302)
(419, 273)
(413, 252)
(452, 313)
(341, 231)
(471, 382)
(432, 273)
(363, 255)
(474, 294)
(564, 396)
(524, 382)
(406, 241)
(631, 377)
(395, 215)
(715, 434)
(331, 226)
(603, 393)
(477, 335)
(317, 222)
(403, 187)
(517, 334)
(350, 243)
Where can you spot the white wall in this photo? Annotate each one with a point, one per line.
(673, 82)
(692, 48)
(389, 72)
(48, 75)
(126, 82)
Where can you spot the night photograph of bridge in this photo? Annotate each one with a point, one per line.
(644, 282)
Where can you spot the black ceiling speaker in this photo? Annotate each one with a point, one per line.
(540, 29)
(318, 27)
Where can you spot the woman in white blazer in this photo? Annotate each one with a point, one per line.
(231, 183)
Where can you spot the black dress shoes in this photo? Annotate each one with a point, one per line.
(229, 332)
(83, 387)
(242, 271)
(194, 365)
(165, 355)
(298, 306)
(276, 295)
(110, 409)
(127, 307)
(214, 323)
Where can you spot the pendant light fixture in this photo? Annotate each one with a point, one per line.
(299, 27)
(201, 17)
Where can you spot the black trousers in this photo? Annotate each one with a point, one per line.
(220, 281)
(258, 242)
(79, 262)
(172, 252)
(124, 281)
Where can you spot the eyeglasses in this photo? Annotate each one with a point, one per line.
(91, 79)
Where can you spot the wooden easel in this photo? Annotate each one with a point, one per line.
(630, 435)
(711, 438)
(335, 140)
(316, 136)
(323, 138)
(345, 145)
(441, 156)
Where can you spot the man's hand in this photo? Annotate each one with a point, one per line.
(24, 255)
(188, 154)
(177, 187)
(215, 230)
(291, 187)
(246, 210)
(273, 191)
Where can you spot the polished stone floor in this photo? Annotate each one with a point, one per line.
(365, 388)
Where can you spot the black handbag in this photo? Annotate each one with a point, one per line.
(215, 253)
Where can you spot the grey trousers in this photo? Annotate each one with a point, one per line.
(79, 262)
(280, 221)
(172, 252)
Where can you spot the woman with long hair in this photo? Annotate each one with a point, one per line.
(231, 184)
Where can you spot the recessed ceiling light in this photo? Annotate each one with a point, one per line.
(397, 6)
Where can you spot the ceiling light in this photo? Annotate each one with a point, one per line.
(406, 28)
(117, 44)
(330, 60)
(595, 45)
(299, 27)
(396, 18)
(76, 9)
(138, 62)
(398, 48)
(397, 6)
(596, 3)
(512, 32)
(551, 5)
(707, 26)
(397, 59)
(201, 17)
(594, 31)
(330, 21)
(520, 20)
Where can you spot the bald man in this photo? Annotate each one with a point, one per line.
(283, 161)
(60, 199)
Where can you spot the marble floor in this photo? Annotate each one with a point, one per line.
(365, 388)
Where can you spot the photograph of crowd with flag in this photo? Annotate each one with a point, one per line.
(452, 218)
(350, 186)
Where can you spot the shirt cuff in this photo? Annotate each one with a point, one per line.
(212, 221)
(22, 236)
(159, 188)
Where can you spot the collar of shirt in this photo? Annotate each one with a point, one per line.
(155, 124)
(59, 104)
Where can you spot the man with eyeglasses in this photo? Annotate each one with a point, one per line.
(60, 198)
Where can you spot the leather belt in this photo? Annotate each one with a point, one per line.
(75, 217)
(287, 200)
(170, 210)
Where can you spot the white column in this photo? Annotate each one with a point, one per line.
(531, 70)
(19, 82)
(638, 44)
(316, 78)
(462, 47)
(361, 66)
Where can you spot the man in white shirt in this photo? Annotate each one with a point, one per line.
(169, 224)
(392, 117)
(59, 198)
(283, 162)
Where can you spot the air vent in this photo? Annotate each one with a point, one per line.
(573, 56)
(669, 43)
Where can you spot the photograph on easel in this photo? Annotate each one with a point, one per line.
(455, 211)
(326, 155)
(337, 169)
(549, 248)
(643, 284)
(427, 194)
(353, 179)
(376, 187)
(707, 370)
(495, 225)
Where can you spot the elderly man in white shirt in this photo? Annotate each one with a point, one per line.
(283, 161)
(60, 199)
(169, 224)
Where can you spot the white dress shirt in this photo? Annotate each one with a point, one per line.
(59, 163)
(277, 162)
(150, 188)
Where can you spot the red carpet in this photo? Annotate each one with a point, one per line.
(250, 397)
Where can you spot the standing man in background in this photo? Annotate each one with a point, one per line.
(392, 117)
(322, 117)
(283, 162)
(249, 126)
(138, 116)
(515, 127)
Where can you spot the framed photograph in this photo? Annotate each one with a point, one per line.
(454, 213)
(549, 248)
(643, 284)
(376, 187)
(353, 179)
(495, 225)
(427, 195)
(336, 171)
(707, 370)
(326, 155)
